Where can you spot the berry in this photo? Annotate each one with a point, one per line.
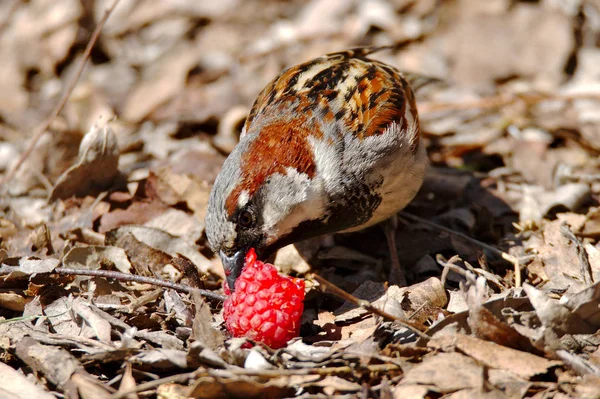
(265, 306)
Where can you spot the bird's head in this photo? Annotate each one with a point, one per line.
(267, 195)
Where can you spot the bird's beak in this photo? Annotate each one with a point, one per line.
(233, 266)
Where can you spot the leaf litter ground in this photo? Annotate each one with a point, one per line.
(108, 288)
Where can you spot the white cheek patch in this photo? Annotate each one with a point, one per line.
(294, 198)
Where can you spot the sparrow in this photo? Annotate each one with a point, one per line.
(330, 145)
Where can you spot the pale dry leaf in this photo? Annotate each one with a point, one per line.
(30, 211)
(538, 202)
(445, 372)
(313, 353)
(479, 393)
(289, 259)
(239, 387)
(178, 223)
(589, 388)
(485, 325)
(256, 361)
(14, 384)
(101, 328)
(161, 359)
(509, 383)
(138, 213)
(89, 387)
(30, 266)
(175, 305)
(13, 96)
(163, 338)
(128, 383)
(173, 188)
(132, 15)
(490, 354)
(49, 37)
(543, 55)
(586, 304)
(414, 301)
(561, 260)
(163, 241)
(200, 355)
(161, 80)
(172, 391)
(335, 385)
(414, 391)
(96, 167)
(202, 329)
(96, 257)
(228, 134)
(457, 302)
(54, 363)
(13, 301)
(457, 323)
(63, 319)
(556, 316)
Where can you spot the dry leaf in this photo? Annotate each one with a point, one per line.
(446, 372)
(96, 168)
(415, 301)
(97, 257)
(16, 385)
(202, 329)
(490, 354)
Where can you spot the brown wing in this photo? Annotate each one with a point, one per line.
(363, 94)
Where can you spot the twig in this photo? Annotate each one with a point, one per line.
(138, 279)
(449, 265)
(366, 305)
(64, 271)
(518, 279)
(63, 101)
(465, 237)
(502, 254)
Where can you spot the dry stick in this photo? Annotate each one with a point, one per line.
(465, 237)
(366, 305)
(138, 279)
(63, 101)
(502, 254)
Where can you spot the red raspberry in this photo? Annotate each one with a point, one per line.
(265, 306)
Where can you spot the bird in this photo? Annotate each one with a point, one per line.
(331, 145)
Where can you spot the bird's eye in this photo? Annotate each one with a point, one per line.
(246, 219)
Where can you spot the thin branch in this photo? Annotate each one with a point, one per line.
(366, 305)
(63, 101)
(63, 271)
(465, 237)
(138, 279)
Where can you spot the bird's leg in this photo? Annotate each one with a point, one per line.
(397, 274)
